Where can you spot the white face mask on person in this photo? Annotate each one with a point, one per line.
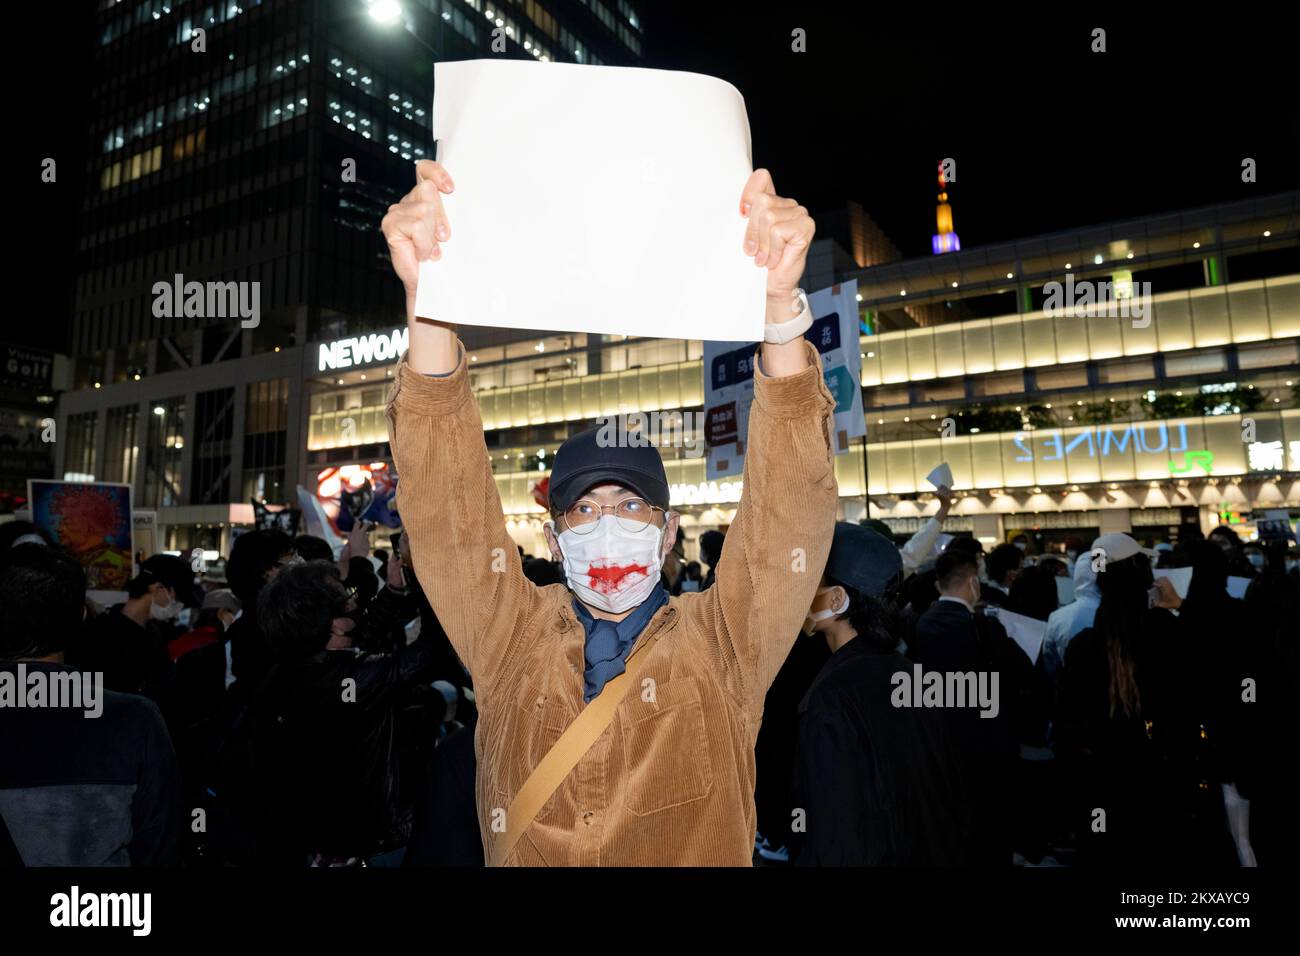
(815, 617)
(165, 612)
(610, 567)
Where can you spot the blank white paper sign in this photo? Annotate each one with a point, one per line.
(940, 476)
(1028, 632)
(593, 199)
(1237, 586)
(1180, 578)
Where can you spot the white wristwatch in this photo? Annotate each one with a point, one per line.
(778, 333)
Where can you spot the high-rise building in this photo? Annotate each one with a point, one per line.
(242, 156)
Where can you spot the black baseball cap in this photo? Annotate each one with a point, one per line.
(175, 573)
(590, 458)
(862, 559)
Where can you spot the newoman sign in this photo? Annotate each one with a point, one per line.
(1213, 445)
(362, 350)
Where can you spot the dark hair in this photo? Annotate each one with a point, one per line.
(952, 565)
(297, 608)
(967, 544)
(312, 548)
(11, 531)
(42, 600)
(1120, 618)
(871, 617)
(1058, 567)
(1002, 560)
(253, 555)
(711, 547)
(542, 571)
(1034, 593)
(1223, 531)
(1209, 573)
(361, 575)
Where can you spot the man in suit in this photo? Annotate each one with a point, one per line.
(952, 638)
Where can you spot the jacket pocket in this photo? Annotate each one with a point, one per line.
(536, 723)
(666, 748)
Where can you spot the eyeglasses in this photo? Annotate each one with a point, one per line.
(632, 514)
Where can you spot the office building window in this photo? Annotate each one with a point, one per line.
(164, 454)
(214, 414)
(79, 460)
(265, 420)
(121, 444)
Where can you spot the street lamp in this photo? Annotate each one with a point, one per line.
(388, 13)
(385, 11)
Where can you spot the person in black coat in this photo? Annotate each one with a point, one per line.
(84, 782)
(1128, 726)
(953, 638)
(324, 726)
(256, 558)
(875, 781)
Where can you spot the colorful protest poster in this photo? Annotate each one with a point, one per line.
(92, 522)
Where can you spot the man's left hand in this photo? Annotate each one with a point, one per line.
(779, 235)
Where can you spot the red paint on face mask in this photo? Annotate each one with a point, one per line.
(608, 580)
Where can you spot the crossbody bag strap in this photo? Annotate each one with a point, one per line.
(564, 755)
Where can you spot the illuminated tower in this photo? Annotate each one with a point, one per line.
(945, 240)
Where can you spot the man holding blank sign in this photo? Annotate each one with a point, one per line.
(617, 724)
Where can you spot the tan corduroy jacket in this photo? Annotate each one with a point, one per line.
(670, 782)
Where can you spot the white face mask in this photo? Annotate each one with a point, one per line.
(610, 568)
(165, 612)
(811, 621)
(1256, 559)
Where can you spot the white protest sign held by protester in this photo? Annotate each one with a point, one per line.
(1028, 632)
(1237, 586)
(729, 381)
(593, 199)
(941, 477)
(1180, 578)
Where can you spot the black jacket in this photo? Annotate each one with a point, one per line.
(133, 659)
(325, 753)
(877, 782)
(1149, 771)
(951, 639)
(89, 791)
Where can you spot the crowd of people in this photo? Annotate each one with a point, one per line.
(1146, 728)
(312, 712)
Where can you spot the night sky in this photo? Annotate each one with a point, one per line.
(1046, 134)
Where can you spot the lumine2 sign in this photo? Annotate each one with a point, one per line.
(1103, 440)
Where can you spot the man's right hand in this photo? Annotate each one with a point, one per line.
(944, 494)
(415, 229)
